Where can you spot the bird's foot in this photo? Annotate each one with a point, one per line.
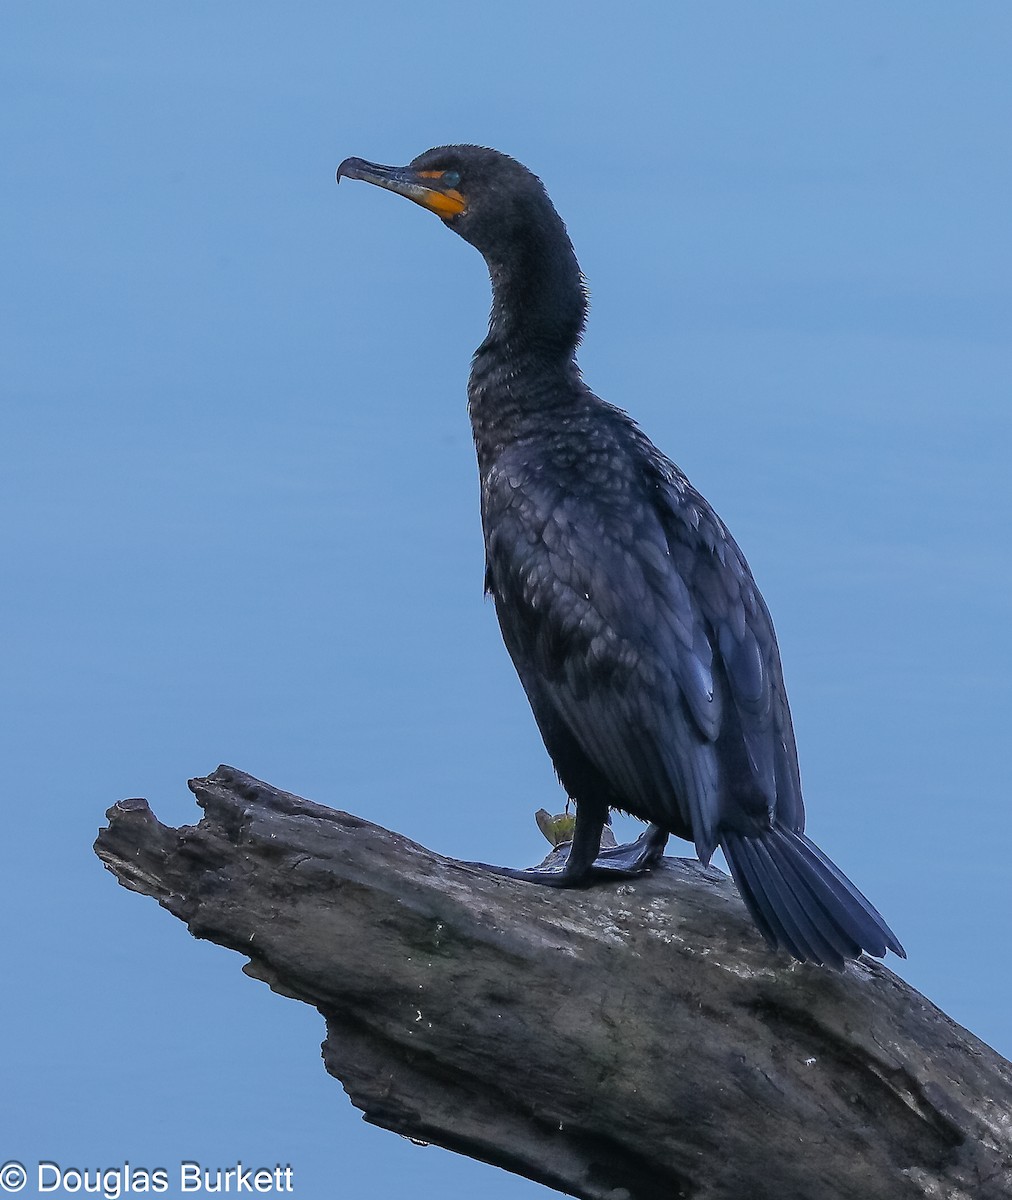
(633, 858)
(612, 863)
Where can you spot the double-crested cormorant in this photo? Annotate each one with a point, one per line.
(640, 637)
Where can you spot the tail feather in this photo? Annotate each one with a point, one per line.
(790, 916)
(802, 901)
(874, 934)
(824, 938)
(749, 885)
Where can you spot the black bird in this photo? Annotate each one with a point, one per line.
(633, 621)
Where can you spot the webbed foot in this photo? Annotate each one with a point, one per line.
(611, 863)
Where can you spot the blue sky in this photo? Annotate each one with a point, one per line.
(239, 502)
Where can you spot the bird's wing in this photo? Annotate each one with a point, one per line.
(757, 718)
(642, 629)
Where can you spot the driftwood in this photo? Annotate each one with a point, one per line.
(634, 1041)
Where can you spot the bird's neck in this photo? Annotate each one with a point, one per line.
(525, 371)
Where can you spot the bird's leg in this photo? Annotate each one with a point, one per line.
(583, 861)
(572, 864)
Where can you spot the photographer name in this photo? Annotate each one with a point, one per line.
(191, 1178)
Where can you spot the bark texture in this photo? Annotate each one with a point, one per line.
(635, 1041)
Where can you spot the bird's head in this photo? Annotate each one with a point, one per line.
(488, 198)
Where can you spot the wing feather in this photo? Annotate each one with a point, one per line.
(642, 631)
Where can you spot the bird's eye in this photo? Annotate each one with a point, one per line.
(451, 178)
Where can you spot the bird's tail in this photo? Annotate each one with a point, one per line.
(802, 901)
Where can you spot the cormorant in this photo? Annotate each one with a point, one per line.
(645, 649)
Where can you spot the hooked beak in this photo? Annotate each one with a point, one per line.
(423, 187)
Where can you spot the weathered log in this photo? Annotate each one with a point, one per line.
(635, 1040)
